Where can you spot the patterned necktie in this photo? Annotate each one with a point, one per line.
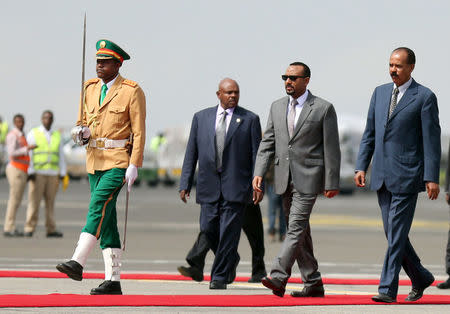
(221, 133)
(393, 102)
(291, 117)
(103, 93)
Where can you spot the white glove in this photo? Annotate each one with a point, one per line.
(131, 175)
(86, 132)
(76, 135)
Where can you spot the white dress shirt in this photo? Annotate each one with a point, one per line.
(298, 108)
(109, 84)
(219, 113)
(401, 90)
(62, 162)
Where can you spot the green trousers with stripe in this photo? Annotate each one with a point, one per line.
(101, 219)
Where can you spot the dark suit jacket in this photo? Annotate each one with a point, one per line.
(241, 146)
(406, 149)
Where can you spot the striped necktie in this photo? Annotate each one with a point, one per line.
(393, 101)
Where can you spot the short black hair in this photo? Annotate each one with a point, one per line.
(47, 111)
(306, 69)
(411, 59)
(18, 115)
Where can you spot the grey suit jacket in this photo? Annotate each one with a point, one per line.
(312, 156)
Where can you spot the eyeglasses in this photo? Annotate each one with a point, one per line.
(292, 77)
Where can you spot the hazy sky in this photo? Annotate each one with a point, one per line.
(180, 50)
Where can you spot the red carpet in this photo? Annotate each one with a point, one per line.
(148, 276)
(74, 300)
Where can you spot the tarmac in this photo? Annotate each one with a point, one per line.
(347, 234)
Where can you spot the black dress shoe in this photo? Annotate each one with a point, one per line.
(55, 234)
(313, 291)
(444, 285)
(257, 278)
(218, 285)
(417, 292)
(276, 285)
(384, 298)
(72, 269)
(107, 287)
(192, 272)
(13, 234)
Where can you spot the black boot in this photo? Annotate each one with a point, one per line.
(107, 287)
(72, 269)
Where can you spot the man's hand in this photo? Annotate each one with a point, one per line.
(184, 195)
(447, 198)
(131, 175)
(331, 193)
(31, 147)
(257, 197)
(432, 190)
(360, 179)
(257, 181)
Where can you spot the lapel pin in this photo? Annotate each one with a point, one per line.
(238, 120)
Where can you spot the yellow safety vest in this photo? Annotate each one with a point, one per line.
(46, 157)
(3, 132)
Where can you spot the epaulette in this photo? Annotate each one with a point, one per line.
(91, 81)
(129, 83)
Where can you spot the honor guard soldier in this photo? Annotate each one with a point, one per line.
(112, 124)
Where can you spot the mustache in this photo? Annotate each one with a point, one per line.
(394, 74)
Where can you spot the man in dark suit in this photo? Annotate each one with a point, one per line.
(446, 284)
(223, 140)
(403, 137)
(253, 229)
(302, 139)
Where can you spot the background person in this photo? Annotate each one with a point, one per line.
(16, 172)
(47, 168)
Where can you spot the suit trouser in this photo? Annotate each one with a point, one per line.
(101, 220)
(253, 229)
(447, 255)
(17, 180)
(397, 211)
(43, 186)
(297, 245)
(222, 221)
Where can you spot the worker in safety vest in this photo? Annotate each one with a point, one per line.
(3, 131)
(16, 172)
(47, 167)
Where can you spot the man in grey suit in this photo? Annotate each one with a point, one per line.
(302, 141)
(403, 137)
(446, 284)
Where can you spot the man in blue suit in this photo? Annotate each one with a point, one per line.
(403, 139)
(224, 141)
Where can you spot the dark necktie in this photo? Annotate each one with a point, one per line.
(393, 101)
(291, 117)
(221, 133)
